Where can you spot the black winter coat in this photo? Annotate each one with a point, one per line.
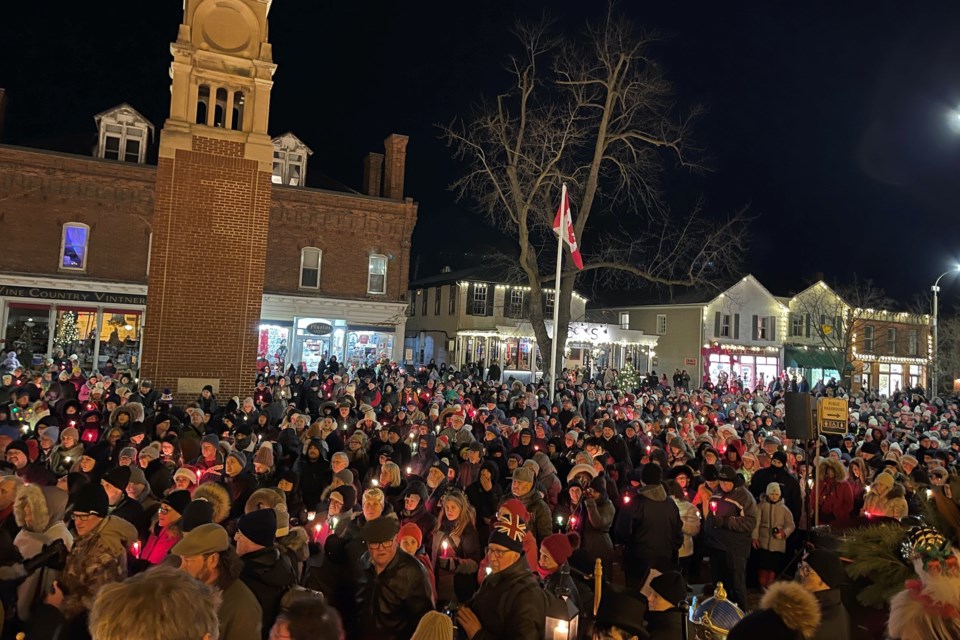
(269, 575)
(510, 604)
(789, 485)
(654, 534)
(665, 625)
(393, 601)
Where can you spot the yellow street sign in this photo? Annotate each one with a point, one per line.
(833, 415)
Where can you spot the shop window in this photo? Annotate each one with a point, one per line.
(119, 339)
(868, 333)
(377, 275)
(273, 345)
(436, 300)
(914, 375)
(27, 333)
(423, 303)
(661, 324)
(892, 341)
(624, 319)
(478, 305)
(76, 333)
(913, 342)
(73, 246)
(310, 258)
(452, 303)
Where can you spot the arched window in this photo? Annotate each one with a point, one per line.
(203, 103)
(310, 258)
(237, 116)
(73, 246)
(220, 110)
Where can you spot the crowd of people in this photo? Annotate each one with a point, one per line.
(434, 503)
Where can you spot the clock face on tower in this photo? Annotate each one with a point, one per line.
(227, 26)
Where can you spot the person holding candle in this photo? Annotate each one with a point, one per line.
(728, 532)
(455, 547)
(414, 510)
(166, 530)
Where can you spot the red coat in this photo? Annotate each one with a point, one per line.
(836, 502)
(158, 545)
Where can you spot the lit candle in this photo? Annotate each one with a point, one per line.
(136, 549)
(311, 516)
(488, 570)
(333, 523)
(713, 506)
(374, 483)
(409, 470)
(560, 520)
(444, 546)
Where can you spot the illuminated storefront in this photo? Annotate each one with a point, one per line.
(753, 365)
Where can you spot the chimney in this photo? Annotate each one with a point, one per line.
(372, 172)
(395, 159)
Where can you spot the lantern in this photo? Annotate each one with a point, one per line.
(562, 615)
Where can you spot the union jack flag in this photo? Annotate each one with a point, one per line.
(512, 526)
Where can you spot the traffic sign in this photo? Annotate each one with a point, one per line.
(833, 415)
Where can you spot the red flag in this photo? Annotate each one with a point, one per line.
(570, 239)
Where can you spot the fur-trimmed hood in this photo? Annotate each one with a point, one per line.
(264, 499)
(32, 494)
(218, 496)
(133, 409)
(797, 607)
(297, 542)
(829, 463)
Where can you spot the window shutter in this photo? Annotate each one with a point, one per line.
(525, 306)
(772, 327)
(491, 292)
(736, 326)
(755, 322)
(837, 327)
(716, 325)
(470, 290)
(807, 322)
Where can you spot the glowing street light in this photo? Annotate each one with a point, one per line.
(936, 289)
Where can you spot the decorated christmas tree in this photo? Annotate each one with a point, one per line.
(67, 332)
(627, 379)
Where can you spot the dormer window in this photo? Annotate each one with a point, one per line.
(124, 134)
(290, 160)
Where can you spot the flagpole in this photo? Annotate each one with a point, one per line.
(562, 229)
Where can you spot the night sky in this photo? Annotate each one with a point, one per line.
(830, 120)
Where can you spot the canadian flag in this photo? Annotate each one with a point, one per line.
(565, 218)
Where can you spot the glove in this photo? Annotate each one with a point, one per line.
(468, 566)
(53, 556)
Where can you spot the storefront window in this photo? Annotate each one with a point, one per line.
(517, 357)
(272, 346)
(28, 332)
(719, 363)
(76, 333)
(366, 347)
(890, 378)
(914, 375)
(120, 340)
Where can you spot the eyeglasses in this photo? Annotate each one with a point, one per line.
(386, 544)
(83, 517)
(165, 509)
(497, 553)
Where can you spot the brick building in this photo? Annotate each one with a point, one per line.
(218, 256)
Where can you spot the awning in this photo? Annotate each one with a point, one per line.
(812, 358)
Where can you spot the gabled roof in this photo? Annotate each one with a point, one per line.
(821, 283)
(293, 140)
(750, 278)
(123, 109)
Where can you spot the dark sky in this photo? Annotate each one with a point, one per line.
(830, 120)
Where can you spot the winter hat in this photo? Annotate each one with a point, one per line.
(434, 625)
(264, 455)
(560, 546)
(380, 530)
(119, 477)
(184, 472)
(345, 476)
(599, 484)
(259, 526)
(412, 530)
(781, 456)
(581, 468)
(508, 531)
(52, 433)
(238, 456)
(773, 489)
(787, 610)
(70, 432)
(884, 480)
(91, 499)
(516, 507)
(210, 439)
(178, 500)
(908, 458)
(347, 495)
(523, 474)
(128, 452)
(19, 445)
(828, 566)
(137, 476)
(152, 451)
(198, 512)
(573, 435)
(651, 474)
(670, 586)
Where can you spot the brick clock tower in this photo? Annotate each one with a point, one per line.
(212, 207)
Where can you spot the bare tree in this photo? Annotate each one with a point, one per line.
(832, 316)
(597, 113)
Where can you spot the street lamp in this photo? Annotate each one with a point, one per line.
(936, 351)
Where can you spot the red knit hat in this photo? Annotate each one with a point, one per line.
(412, 530)
(560, 546)
(516, 507)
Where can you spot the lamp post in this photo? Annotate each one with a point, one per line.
(936, 350)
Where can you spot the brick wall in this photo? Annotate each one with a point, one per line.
(41, 191)
(348, 229)
(206, 273)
